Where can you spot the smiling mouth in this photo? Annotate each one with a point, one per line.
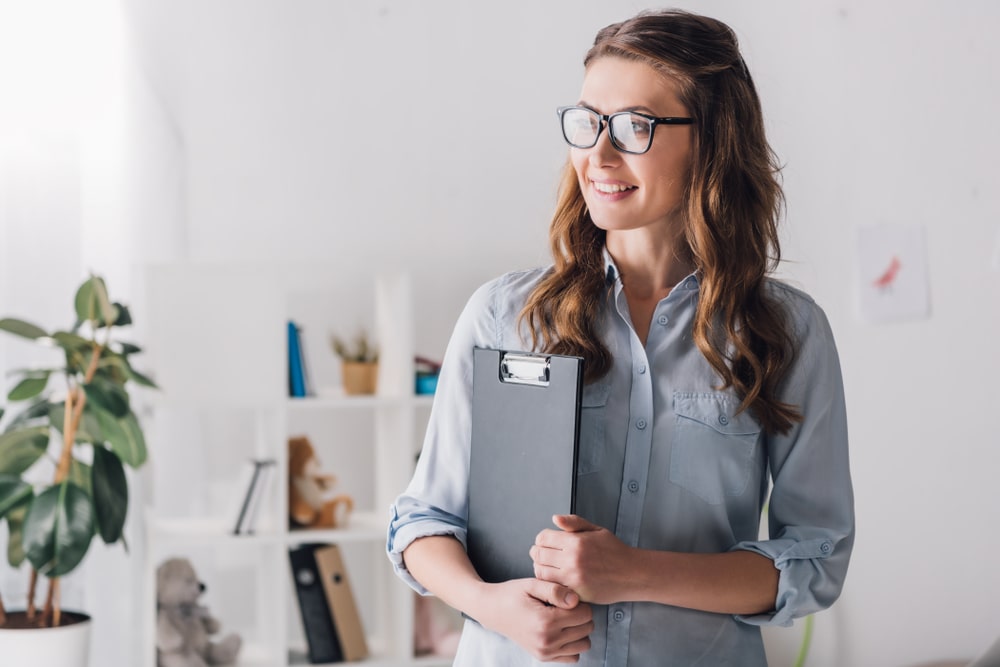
(612, 188)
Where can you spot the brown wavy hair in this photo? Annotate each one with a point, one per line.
(731, 207)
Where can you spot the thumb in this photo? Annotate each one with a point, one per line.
(554, 594)
(572, 523)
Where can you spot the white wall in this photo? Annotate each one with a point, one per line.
(89, 182)
(422, 135)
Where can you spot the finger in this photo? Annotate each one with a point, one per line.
(544, 556)
(572, 523)
(576, 647)
(549, 538)
(556, 595)
(550, 574)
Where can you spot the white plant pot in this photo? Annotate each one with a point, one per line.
(66, 646)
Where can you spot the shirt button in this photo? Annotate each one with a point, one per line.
(640, 424)
(633, 486)
(642, 369)
(723, 419)
(825, 547)
(663, 319)
(619, 615)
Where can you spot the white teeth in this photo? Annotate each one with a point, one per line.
(611, 188)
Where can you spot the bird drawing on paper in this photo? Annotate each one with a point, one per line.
(888, 276)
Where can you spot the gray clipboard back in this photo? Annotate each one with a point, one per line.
(525, 435)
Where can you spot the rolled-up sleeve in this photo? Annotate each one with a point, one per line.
(436, 500)
(811, 507)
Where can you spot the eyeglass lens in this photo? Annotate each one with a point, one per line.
(630, 132)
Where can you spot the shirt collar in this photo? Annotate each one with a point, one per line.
(612, 276)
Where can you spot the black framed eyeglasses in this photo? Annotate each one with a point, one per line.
(631, 131)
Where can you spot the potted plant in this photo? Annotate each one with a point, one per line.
(62, 476)
(359, 363)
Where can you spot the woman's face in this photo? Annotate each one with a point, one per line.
(625, 191)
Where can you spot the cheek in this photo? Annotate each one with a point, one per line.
(579, 163)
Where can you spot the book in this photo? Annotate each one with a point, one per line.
(296, 362)
(322, 642)
(340, 599)
(330, 617)
(255, 480)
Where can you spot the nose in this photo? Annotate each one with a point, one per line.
(603, 152)
(201, 587)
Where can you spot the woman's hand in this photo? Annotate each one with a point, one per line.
(545, 619)
(585, 558)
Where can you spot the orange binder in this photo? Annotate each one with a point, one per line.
(346, 619)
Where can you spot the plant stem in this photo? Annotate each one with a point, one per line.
(54, 589)
(32, 586)
(47, 611)
(75, 401)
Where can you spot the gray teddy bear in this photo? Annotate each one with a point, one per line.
(182, 625)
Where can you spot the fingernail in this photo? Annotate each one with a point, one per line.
(570, 598)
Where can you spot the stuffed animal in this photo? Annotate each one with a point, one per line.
(309, 504)
(182, 625)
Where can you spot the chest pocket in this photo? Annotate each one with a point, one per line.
(713, 449)
(593, 427)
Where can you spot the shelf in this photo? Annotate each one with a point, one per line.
(200, 431)
(362, 527)
(300, 657)
(321, 403)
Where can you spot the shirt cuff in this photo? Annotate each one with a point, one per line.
(402, 535)
(803, 585)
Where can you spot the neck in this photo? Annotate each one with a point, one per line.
(649, 265)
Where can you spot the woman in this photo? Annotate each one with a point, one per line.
(705, 381)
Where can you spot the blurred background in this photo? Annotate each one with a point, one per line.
(421, 136)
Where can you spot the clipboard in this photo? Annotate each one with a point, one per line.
(522, 466)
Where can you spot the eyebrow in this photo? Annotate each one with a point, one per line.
(643, 109)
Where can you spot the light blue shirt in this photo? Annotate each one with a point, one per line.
(665, 463)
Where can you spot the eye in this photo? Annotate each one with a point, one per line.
(639, 126)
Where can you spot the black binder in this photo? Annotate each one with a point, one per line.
(317, 619)
(525, 435)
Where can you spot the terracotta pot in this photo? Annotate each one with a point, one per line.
(65, 646)
(360, 377)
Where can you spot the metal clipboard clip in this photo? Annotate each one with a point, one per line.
(530, 369)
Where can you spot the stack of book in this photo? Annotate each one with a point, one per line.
(298, 374)
(330, 616)
(256, 478)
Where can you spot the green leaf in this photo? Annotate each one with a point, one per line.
(110, 494)
(29, 387)
(108, 312)
(89, 429)
(15, 539)
(124, 316)
(72, 342)
(81, 474)
(129, 348)
(34, 411)
(93, 305)
(58, 529)
(141, 379)
(85, 302)
(125, 437)
(22, 328)
(21, 448)
(107, 396)
(13, 493)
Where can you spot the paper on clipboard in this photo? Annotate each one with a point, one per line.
(525, 436)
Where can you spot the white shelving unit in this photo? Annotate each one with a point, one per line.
(215, 338)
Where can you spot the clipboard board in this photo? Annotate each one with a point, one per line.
(522, 467)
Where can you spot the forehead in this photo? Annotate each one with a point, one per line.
(611, 84)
